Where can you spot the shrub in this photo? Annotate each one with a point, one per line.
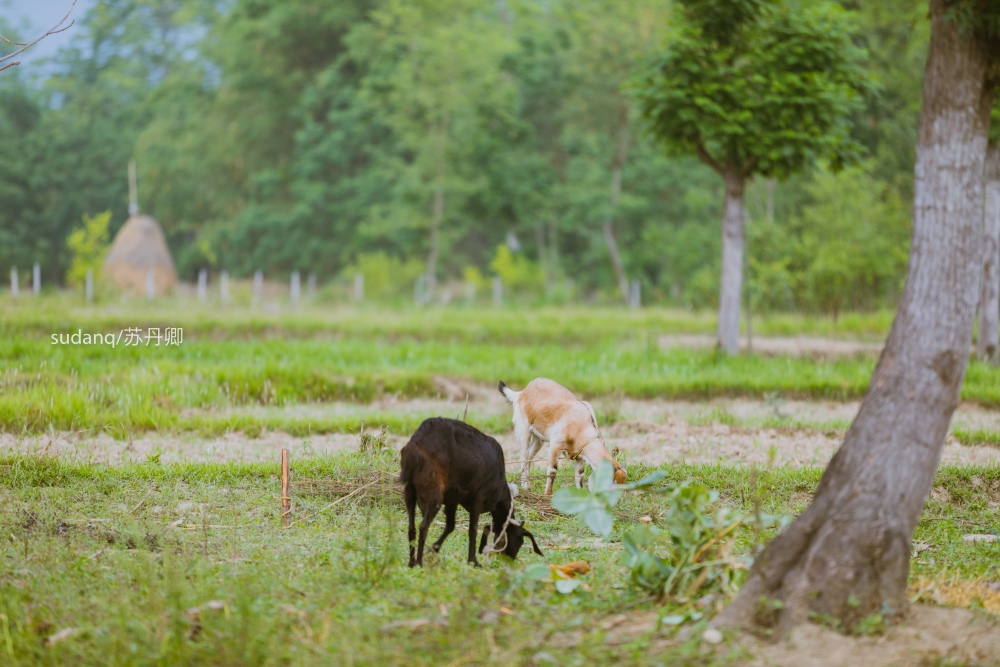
(385, 277)
(89, 245)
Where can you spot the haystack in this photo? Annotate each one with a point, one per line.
(138, 249)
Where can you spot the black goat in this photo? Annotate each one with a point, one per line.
(447, 462)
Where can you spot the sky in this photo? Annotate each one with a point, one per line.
(33, 17)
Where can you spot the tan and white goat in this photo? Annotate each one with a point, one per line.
(546, 411)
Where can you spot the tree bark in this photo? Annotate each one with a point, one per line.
(847, 556)
(616, 190)
(728, 334)
(989, 299)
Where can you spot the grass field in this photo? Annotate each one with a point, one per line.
(186, 563)
(358, 355)
(123, 553)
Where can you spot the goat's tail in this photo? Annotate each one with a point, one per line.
(411, 462)
(507, 392)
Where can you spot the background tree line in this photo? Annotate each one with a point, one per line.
(453, 139)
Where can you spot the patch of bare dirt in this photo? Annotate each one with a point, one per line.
(794, 346)
(175, 447)
(648, 431)
(929, 634)
(677, 441)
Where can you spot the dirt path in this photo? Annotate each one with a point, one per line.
(794, 346)
(654, 432)
(929, 636)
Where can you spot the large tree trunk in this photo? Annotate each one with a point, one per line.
(621, 152)
(989, 299)
(730, 289)
(847, 556)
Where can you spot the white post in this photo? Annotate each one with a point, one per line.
(202, 285)
(150, 291)
(418, 290)
(36, 280)
(633, 299)
(258, 286)
(13, 283)
(89, 286)
(311, 286)
(295, 287)
(224, 287)
(470, 292)
(497, 291)
(359, 287)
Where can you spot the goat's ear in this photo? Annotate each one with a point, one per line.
(534, 544)
(486, 536)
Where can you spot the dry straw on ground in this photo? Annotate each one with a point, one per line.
(957, 593)
(381, 486)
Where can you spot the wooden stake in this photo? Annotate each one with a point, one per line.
(466, 413)
(286, 499)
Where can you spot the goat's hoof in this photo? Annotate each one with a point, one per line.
(475, 563)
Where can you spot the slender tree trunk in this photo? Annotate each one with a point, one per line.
(732, 265)
(989, 299)
(543, 255)
(769, 186)
(554, 249)
(437, 213)
(616, 190)
(847, 556)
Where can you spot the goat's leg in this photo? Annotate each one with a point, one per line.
(550, 474)
(429, 511)
(410, 497)
(534, 444)
(579, 466)
(473, 529)
(449, 526)
(524, 438)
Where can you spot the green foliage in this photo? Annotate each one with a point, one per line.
(517, 272)
(772, 97)
(288, 136)
(995, 122)
(385, 277)
(595, 506)
(89, 245)
(689, 555)
(692, 553)
(845, 250)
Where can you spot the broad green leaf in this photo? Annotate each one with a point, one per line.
(536, 572)
(604, 476)
(570, 500)
(646, 481)
(599, 519)
(567, 586)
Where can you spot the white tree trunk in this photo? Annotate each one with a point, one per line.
(621, 152)
(731, 285)
(847, 556)
(989, 299)
(437, 211)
